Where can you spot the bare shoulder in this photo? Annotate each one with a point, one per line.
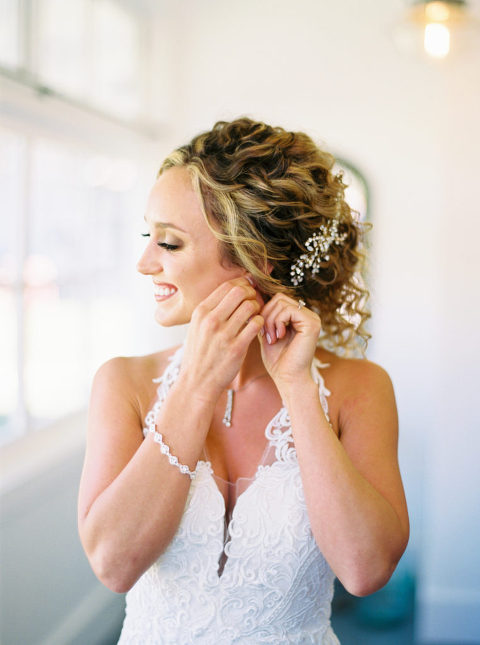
(124, 368)
(360, 389)
(126, 371)
(122, 393)
(132, 376)
(347, 376)
(367, 423)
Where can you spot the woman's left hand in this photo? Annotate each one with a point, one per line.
(290, 339)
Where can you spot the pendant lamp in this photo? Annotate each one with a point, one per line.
(438, 28)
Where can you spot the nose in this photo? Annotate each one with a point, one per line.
(149, 262)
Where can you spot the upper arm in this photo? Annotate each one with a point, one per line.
(114, 430)
(368, 424)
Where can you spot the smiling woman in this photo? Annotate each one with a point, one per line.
(228, 481)
(181, 248)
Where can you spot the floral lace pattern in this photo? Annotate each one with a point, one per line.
(275, 587)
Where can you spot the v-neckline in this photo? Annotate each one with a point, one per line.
(268, 446)
(228, 521)
(276, 440)
(223, 558)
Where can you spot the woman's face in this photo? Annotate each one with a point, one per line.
(182, 254)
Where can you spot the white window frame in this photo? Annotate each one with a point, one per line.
(33, 111)
(27, 74)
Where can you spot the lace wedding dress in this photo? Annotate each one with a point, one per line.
(257, 578)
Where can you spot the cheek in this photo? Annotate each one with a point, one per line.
(202, 285)
(200, 277)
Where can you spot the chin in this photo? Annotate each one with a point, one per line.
(167, 319)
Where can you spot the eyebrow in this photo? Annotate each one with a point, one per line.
(166, 225)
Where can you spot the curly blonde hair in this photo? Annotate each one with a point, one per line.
(264, 191)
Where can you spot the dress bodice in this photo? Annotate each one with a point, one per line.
(274, 587)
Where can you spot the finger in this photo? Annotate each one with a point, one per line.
(284, 312)
(241, 316)
(251, 330)
(280, 329)
(226, 298)
(266, 311)
(277, 314)
(281, 296)
(234, 299)
(273, 302)
(260, 298)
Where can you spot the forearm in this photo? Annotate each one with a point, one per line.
(135, 517)
(356, 528)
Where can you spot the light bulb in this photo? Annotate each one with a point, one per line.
(436, 40)
(438, 29)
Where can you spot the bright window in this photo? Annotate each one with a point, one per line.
(65, 258)
(12, 150)
(92, 51)
(72, 187)
(10, 33)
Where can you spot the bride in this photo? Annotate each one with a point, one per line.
(228, 481)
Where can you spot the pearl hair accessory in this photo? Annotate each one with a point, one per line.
(318, 246)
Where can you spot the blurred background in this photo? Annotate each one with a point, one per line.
(93, 95)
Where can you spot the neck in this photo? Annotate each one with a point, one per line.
(251, 368)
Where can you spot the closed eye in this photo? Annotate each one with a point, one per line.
(164, 245)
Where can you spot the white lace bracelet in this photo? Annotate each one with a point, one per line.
(157, 437)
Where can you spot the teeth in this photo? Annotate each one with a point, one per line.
(164, 291)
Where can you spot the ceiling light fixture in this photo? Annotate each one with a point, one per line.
(437, 27)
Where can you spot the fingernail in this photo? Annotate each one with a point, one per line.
(262, 331)
(276, 333)
(250, 280)
(269, 339)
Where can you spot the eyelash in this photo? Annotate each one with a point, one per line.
(164, 245)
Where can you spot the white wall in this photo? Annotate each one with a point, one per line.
(331, 68)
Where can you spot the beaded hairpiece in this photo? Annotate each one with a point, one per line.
(318, 246)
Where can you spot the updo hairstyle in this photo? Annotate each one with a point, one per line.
(264, 191)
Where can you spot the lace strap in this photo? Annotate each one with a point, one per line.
(279, 435)
(279, 430)
(165, 382)
(171, 371)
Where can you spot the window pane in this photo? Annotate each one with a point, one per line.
(116, 56)
(91, 50)
(62, 53)
(12, 149)
(9, 33)
(77, 310)
(8, 362)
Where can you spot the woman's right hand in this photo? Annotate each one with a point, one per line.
(221, 330)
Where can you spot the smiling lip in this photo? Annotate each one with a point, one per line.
(163, 291)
